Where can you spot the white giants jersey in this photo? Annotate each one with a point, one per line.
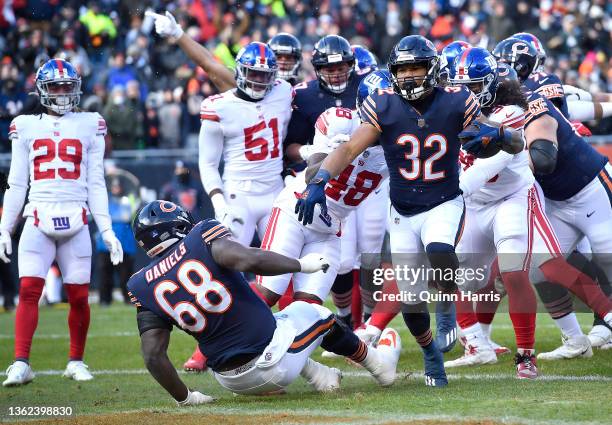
(253, 132)
(515, 173)
(57, 151)
(352, 186)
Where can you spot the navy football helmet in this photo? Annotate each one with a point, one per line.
(535, 42)
(288, 51)
(448, 55)
(417, 50)
(519, 54)
(159, 225)
(506, 73)
(380, 79)
(365, 60)
(256, 70)
(58, 85)
(477, 69)
(328, 52)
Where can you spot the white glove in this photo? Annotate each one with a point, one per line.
(337, 140)
(305, 152)
(166, 26)
(574, 93)
(368, 334)
(114, 246)
(313, 263)
(194, 398)
(6, 246)
(224, 215)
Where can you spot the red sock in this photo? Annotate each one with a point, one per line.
(287, 297)
(26, 316)
(385, 309)
(561, 272)
(522, 304)
(356, 307)
(78, 319)
(465, 312)
(485, 310)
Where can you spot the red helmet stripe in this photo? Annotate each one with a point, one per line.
(60, 67)
(262, 54)
(462, 61)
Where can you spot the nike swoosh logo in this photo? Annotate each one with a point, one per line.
(542, 81)
(590, 214)
(376, 191)
(508, 115)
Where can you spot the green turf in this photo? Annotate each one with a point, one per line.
(500, 398)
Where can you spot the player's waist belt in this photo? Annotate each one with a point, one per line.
(237, 365)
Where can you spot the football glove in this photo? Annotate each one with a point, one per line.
(114, 246)
(225, 215)
(166, 26)
(312, 263)
(478, 136)
(194, 398)
(6, 246)
(574, 93)
(313, 194)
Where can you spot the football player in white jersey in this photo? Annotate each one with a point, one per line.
(58, 153)
(285, 234)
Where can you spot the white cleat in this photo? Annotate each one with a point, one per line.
(606, 346)
(329, 355)
(19, 373)
(572, 347)
(499, 349)
(368, 334)
(324, 379)
(473, 356)
(78, 371)
(388, 351)
(600, 335)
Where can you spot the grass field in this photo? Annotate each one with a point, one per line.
(572, 391)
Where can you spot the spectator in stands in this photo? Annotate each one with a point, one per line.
(121, 119)
(184, 190)
(170, 119)
(12, 99)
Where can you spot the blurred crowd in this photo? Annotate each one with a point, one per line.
(150, 94)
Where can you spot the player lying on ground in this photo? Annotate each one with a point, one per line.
(194, 282)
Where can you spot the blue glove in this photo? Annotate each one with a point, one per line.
(313, 194)
(479, 135)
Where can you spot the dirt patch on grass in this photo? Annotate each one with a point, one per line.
(199, 418)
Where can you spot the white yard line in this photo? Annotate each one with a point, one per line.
(416, 375)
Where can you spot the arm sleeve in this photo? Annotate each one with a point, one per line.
(211, 149)
(538, 106)
(213, 230)
(18, 177)
(97, 197)
(368, 111)
(472, 110)
(483, 170)
(148, 320)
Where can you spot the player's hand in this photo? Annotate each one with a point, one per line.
(574, 93)
(225, 215)
(313, 194)
(337, 140)
(194, 398)
(6, 246)
(166, 25)
(313, 263)
(478, 136)
(114, 246)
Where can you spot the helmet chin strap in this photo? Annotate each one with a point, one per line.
(161, 247)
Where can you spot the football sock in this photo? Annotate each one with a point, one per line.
(26, 315)
(522, 306)
(78, 319)
(342, 293)
(416, 317)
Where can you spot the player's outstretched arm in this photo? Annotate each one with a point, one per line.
(220, 75)
(233, 255)
(541, 137)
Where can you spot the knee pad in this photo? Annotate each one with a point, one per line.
(442, 257)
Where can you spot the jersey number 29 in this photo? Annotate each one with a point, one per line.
(68, 150)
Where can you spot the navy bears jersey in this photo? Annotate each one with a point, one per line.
(549, 86)
(188, 289)
(421, 146)
(311, 100)
(577, 162)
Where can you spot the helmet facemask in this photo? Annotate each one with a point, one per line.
(413, 88)
(60, 95)
(288, 66)
(255, 81)
(337, 80)
(484, 88)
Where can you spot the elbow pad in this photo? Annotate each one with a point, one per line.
(543, 156)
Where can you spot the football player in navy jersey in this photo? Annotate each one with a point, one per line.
(194, 282)
(288, 51)
(418, 125)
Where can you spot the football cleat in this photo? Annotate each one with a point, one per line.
(572, 347)
(606, 346)
(388, 353)
(323, 378)
(499, 349)
(77, 370)
(19, 373)
(525, 366)
(368, 334)
(435, 375)
(600, 335)
(474, 356)
(196, 363)
(446, 326)
(329, 355)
